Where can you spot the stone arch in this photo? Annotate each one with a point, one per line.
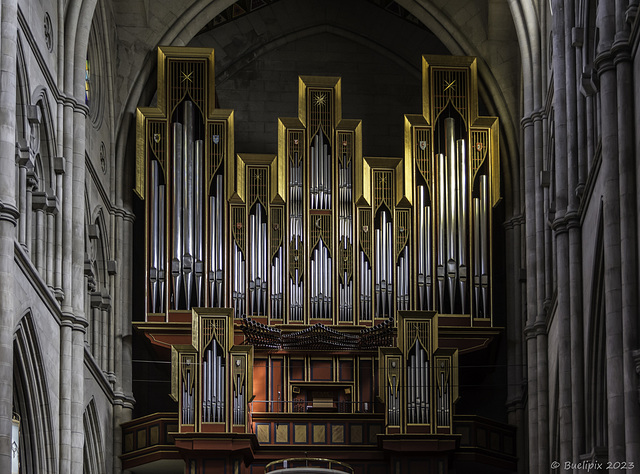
(193, 19)
(96, 49)
(47, 139)
(596, 432)
(31, 400)
(93, 457)
(22, 92)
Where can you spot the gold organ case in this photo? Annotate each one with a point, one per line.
(316, 298)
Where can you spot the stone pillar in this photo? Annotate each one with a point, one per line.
(78, 225)
(515, 407)
(77, 397)
(51, 211)
(95, 326)
(576, 166)
(24, 162)
(105, 316)
(39, 205)
(58, 164)
(8, 221)
(32, 185)
(628, 228)
(611, 235)
(65, 393)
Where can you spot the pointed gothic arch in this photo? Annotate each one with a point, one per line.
(93, 456)
(31, 401)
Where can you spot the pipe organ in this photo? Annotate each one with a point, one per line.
(317, 280)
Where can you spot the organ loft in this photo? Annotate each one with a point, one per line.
(316, 304)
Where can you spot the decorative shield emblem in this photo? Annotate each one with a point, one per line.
(156, 137)
(479, 146)
(276, 226)
(365, 228)
(216, 139)
(238, 225)
(344, 143)
(296, 141)
(401, 228)
(423, 145)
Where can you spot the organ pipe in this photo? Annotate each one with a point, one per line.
(451, 207)
(442, 212)
(463, 209)
(176, 262)
(187, 201)
(216, 232)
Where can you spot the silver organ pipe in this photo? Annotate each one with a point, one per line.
(452, 212)
(258, 245)
(295, 229)
(443, 399)
(198, 215)
(154, 234)
(384, 266)
(476, 256)
(176, 262)
(394, 403)
(422, 249)
(412, 391)
(320, 172)
(188, 402)
(403, 280)
(238, 402)
(276, 285)
(238, 294)
(188, 202)
(320, 279)
(484, 243)
(213, 386)
(365, 287)
(216, 226)
(161, 247)
(345, 237)
(463, 220)
(428, 280)
(418, 385)
(441, 230)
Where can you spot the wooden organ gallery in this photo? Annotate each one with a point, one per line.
(316, 302)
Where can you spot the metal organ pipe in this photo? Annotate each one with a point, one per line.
(188, 202)
(198, 221)
(295, 224)
(442, 211)
(161, 247)
(344, 236)
(484, 243)
(452, 213)
(176, 262)
(476, 255)
(463, 219)
(154, 234)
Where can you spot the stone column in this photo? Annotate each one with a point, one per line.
(576, 169)
(621, 51)
(39, 205)
(611, 235)
(51, 210)
(23, 160)
(8, 221)
(105, 310)
(78, 225)
(95, 326)
(563, 298)
(32, 185)
(58, 164)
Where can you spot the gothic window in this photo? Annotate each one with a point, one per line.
(87, 80)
